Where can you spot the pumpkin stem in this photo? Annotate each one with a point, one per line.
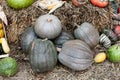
(58, 49)
(45, 39)
(33, 44)
(76, 24)
(49, 20)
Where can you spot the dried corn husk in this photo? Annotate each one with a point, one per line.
(51, 5)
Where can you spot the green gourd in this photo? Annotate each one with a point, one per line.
(113, 53)
(8, 67)
(19, 4)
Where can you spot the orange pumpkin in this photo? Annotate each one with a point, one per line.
(100, 3)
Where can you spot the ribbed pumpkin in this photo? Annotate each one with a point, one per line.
(42, 55)
(87, 33)
(26, 38)
(76, 55)
(48, 26)
(62, 38)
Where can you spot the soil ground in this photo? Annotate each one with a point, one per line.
(68, 14)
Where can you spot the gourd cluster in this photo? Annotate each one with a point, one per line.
(1, 35)
(46, 43)
(4, 47)
(8, 65)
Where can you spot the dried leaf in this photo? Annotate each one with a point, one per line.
(57, 6)
(3, 16)
(51, 5)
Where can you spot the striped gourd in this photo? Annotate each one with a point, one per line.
(105, 41)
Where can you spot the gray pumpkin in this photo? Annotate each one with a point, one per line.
(87, 33)
(26, 38)
(42, 55)
(62, 38)
(48, 26)
(76, 55)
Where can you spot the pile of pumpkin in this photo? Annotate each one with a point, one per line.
(46, 43)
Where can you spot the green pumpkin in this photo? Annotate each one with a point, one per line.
(8, 67)
(62, 38)
(26, 38)
(76, 55)
(87, 33)
(42, 55)
(48, 26)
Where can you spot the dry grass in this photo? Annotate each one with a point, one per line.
(68, 14)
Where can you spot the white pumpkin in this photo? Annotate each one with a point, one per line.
(48, 26)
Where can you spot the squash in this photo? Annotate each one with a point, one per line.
(8, 67)
(62, 38)
(26, 38)
(76, 55)
(104, 40)
(117, 31)
(5, 45)
(1, 25)
(100, 57)
(113, 53)
(42, 55)
(87, 33)
(111, 35)
(1, 33)
(48, 26)
(19, 4)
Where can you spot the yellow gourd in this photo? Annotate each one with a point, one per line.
(100, 57)
(1, 33)
(5, 45)
(0, 40)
